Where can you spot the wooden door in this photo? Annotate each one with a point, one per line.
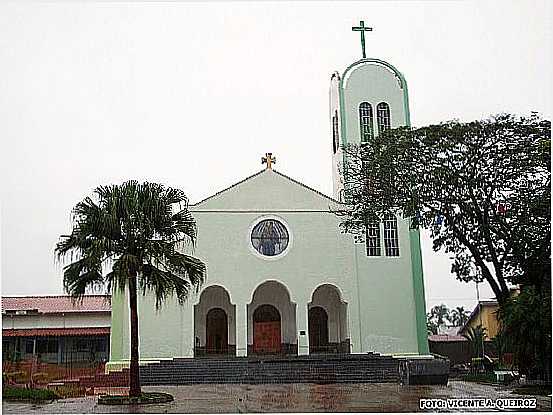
(267, 337)
(216, 331)
(318, 330)
(266, 330)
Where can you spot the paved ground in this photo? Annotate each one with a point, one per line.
(281, 398)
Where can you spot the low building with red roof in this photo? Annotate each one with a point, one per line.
(56, 329)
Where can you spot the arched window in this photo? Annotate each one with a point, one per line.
(383, 117)
(366, 121)
(391, 236)
(372, 238)
(335, 135)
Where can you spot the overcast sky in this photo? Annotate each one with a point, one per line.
(192, 94)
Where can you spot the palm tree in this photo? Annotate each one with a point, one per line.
(459, 316)
(440, 313)
(140, 229)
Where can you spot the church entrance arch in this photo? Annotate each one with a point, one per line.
(271, 320)
(327, 320)
(266, 330)
(214, 323)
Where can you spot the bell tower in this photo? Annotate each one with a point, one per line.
(369, 97)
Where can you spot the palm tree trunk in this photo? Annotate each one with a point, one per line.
(134, 389)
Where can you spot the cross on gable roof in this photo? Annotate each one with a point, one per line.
(267, 189)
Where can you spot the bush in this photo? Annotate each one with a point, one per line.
(23, 394)
(481, 377)
(145, 398)
(542, 390)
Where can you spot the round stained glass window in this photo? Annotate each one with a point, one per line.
(270, 237)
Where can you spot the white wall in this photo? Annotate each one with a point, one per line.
(67, 320)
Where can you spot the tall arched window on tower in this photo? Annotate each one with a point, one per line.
(366, 121)
(391, 236)
(335, 135)
(372, 238)
(383, 117)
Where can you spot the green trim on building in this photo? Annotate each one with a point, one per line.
(418, 288)
(416, 259)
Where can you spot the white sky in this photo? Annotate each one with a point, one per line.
(192, 94)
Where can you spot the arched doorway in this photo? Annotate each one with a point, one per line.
(214, 323)
(328, 321)
(271, 309)
(318, 330)
(266, 330)
(216, 331)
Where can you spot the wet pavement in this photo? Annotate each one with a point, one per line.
(302, 397)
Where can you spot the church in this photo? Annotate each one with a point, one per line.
(282, 279)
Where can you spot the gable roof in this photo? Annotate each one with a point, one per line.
(56, 304)
(476, 312)
(228, 197)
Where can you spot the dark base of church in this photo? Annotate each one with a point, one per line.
(319, 368)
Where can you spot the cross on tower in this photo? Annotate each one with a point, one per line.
(361, 28)
(268, 160)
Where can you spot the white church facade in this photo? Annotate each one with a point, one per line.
(282, 278)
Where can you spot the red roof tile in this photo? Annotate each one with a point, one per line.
(58, 304)
(77, 331)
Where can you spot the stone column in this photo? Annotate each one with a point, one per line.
(302, 322)
(241, 330)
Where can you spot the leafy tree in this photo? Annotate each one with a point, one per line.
(140, 230)
(481, 188)
(459, 316)
(526, 328)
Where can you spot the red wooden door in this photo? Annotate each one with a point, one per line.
(266, 337)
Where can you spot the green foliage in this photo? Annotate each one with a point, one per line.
(144, 398)
(500, 343)
(476, 336)
(526, 330)
(481, 188)
(440, 315)
(541, 390)
(431, 326)
(24, 394)
(459, 316)
(145, 232)
(138, 229)
(480, 377)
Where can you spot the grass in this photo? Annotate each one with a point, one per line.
(23, 394)
(480, 377)
(145, 398)
(541, 390)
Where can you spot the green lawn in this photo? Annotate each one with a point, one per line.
(23, 394)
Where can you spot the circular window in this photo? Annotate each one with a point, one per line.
(270, 237)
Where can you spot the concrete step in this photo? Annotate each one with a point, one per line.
(367, 368)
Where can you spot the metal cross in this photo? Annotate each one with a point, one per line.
(361, 28)
(268, 160)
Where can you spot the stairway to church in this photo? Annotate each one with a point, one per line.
(367, 368)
